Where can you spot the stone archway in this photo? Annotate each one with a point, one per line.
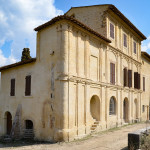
(126, 110)
(95, 107)
(135, 109)
(8, 118)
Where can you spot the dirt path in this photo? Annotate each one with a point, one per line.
(115, 139)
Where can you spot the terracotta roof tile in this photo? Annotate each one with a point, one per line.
(145, 55)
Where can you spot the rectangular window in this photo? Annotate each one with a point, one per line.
(125, 77)
(129, 78)
(139, 86)
(12, 87)
(28, 86)
(112, 31)
(136, 80)
(143, 83)
(125, 40)
(134, 44)
(112, 73)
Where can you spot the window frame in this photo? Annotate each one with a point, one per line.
(144, 84)
(28, 93)
(125, 44)
(112, 106)
(135, 47)
(12, 89)
(112, 73)
(110, 31)
(125, 76)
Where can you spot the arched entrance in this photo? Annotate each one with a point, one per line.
(135, 109)
(125, 109)
(8, 117)
(95, 107)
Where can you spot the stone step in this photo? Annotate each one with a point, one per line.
(96, 122)
(94, 125)
(93, 128)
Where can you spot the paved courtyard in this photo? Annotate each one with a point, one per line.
(115, 139)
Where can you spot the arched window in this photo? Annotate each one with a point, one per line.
(112, 106)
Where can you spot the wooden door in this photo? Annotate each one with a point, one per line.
(9, 123)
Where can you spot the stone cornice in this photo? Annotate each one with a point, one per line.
(118, 51)
(97, 84)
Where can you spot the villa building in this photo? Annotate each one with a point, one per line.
(89, 75)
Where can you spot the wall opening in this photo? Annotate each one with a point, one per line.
(112, 106)
(28, 132)
(95, 107)
(8, 117)
(125, 110)
(29, 124)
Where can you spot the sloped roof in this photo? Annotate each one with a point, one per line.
(73, 20)
(17, 64)
(118, 13)
(145, 55)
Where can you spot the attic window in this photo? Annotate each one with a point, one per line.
(112, 30)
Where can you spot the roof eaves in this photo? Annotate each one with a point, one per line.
(146, 55)
(17, 64)
(65, 17)
(117, 12)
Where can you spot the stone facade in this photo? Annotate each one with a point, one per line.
(71, 78)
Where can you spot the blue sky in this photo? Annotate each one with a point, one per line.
(18, 18)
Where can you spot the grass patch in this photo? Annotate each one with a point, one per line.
(104, 132)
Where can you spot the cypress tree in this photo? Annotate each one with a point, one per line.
(25, 54)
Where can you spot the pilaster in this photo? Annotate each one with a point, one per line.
(64, 50)
(87, 57)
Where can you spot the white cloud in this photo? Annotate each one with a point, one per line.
(6, 61)
(146, 45)
(18, 18)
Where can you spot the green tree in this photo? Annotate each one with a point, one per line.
(25, 54)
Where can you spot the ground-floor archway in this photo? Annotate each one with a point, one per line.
(125, 110)
(95, 107)
(8, 118)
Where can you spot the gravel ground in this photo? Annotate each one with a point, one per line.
(114, 139)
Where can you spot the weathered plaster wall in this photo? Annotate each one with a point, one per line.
(94, 17)
(145, 99)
